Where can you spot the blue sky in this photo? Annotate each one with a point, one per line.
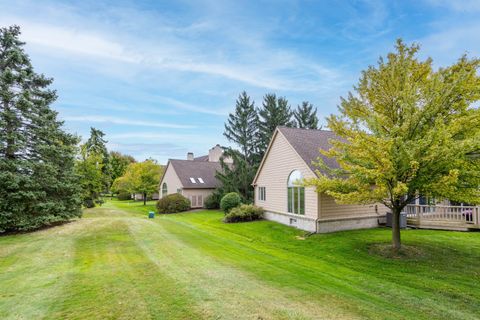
(160, 77)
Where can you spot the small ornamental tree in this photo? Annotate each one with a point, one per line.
(410, 130)
(141, 177)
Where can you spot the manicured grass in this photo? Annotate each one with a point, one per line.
(116, 263)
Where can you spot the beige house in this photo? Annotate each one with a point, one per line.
(194, 177)
(289, 159)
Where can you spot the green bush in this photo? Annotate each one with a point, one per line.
(172, 203)
(230, 201)
(245, 212)
(213, 200)
(124, 196)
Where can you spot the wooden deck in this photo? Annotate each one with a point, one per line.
(462, 218)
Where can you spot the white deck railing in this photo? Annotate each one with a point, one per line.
(458, 214)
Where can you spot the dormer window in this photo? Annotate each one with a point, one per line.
(192, 180)
(201, 180)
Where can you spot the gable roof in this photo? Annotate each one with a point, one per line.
(205, 170)
(201, 158)
(306, 143)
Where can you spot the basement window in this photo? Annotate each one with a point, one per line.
(192, 180)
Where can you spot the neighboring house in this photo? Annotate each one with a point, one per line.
(194, 178)
(289, 158)
(139, 196)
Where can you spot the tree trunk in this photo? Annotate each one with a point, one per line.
(144, 198)
(396, 242)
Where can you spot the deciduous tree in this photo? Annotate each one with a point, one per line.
(409, 130)
(119, 163)
(142, 177)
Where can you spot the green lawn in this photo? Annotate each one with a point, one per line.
(116, 264)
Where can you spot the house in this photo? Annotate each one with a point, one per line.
(194, 177)
(139, 196)
(289, 158)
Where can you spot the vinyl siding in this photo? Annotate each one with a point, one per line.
(196, 192)
(331, 210)
(281, 160)
(172, 180)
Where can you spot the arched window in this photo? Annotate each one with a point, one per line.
(164, 189)
(296, 193)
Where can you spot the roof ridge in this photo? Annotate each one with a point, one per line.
(306, 129)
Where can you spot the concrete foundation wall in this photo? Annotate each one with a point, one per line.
(348, 224)
(298, 221)
(308, 224)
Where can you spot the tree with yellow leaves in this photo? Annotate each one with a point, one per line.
(409, 130)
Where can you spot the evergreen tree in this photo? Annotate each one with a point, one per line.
(236, 177)
(96, 144)
(242, 129)
(38, 185)
(275, 112)
(305, 116)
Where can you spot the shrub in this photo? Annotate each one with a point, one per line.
(230, 201)
(213, 200)
(124, 196)
(245, 212)
(172, 203)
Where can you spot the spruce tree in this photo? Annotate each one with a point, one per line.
(274, 112)
(38, 185)
(305, 116)
(242, 129)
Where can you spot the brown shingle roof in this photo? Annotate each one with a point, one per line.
(201, 158)
(187, 169)
(308, 142)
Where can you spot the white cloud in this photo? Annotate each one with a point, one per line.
(115, 120)
(255, 62)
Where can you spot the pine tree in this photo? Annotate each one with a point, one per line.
(38, 185)
(275, 112)
(242, 129)
(305, 116)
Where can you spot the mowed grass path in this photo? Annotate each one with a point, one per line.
(116, 264)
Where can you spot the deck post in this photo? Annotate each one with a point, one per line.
(417, 208)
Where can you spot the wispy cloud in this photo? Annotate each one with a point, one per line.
(258, 64)
(115, 120)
